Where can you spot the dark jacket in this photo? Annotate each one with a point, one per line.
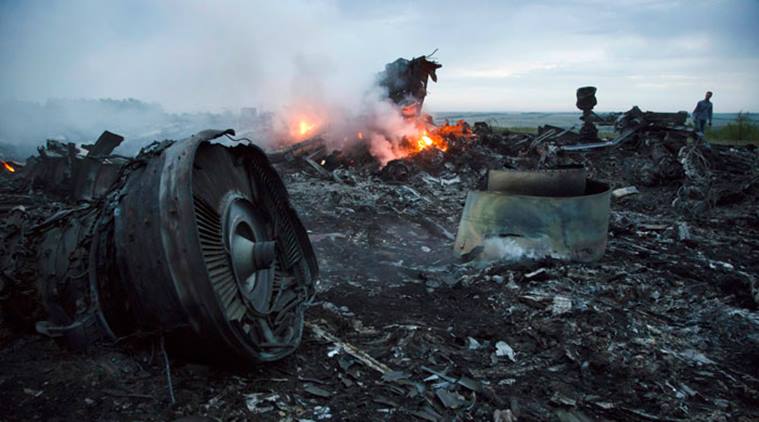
(703, 111)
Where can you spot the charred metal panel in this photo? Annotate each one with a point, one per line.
(405, 82)
(64, 282)
(566, 181)
(94, 177)
(139, 250)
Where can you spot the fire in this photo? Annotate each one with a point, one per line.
(428, 140)
(438, 136)
(8, 166)
(386, 139)
(299, 124)
(304, 127)
(460, 130)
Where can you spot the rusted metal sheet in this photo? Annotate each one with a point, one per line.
(504, 225)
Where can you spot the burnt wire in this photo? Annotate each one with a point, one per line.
(167, 369)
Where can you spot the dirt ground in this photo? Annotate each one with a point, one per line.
(663, 327)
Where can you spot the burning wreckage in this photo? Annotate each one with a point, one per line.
(589, 278)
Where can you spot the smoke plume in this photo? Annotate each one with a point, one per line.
(191, 64)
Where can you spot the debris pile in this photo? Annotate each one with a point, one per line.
(662, 325)
(60, 169)
(661, 328)
(655, 125)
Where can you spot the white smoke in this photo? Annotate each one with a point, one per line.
(194, 56)
(387, 130)
(517, 249)
(369, 116)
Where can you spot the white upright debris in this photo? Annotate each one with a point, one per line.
(683, 231)
(503, 349)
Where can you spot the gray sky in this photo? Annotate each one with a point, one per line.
(498, 56)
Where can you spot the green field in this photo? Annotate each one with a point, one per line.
(740, 131)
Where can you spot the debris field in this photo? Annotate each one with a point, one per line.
(663, 327)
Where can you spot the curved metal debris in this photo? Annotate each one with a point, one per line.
(510, 224)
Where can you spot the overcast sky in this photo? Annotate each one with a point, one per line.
(497, 56)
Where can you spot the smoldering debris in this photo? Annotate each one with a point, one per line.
(405, 82)
(589, 340)
(661, 327)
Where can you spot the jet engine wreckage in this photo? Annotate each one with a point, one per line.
(193, 240)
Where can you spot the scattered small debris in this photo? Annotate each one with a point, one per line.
(696, 356)
(350, 349)
(449, 399)
(622, 192)
(317, 391)
(561, 305)
(473, 344)
(535, 274)
(662, 328)
(322, 413)
(503, 416)
(683, 231)
(258, 403)
(32, 392)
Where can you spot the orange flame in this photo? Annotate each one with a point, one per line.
(430, 140)
(438, 137)
(8, 167)
(459, 130)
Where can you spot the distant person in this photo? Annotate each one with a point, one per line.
(703, 112)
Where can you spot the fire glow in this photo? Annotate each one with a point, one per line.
(430, 140)
(303, 124)
(386, 136)
(8, 167)
(436, 136)
(304, 128)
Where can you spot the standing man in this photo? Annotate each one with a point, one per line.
(702, 113)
